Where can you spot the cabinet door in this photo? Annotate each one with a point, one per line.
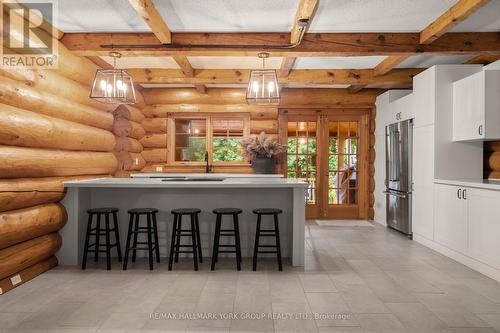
(422, 212)
(468, 108)
(484, 225)
(450, 218)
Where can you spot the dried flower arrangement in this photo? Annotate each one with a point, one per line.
(262, 145)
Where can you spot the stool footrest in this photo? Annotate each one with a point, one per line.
(267, 252)
(267, 246)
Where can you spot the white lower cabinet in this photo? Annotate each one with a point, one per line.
(422, 211)
(450, 224)
(484, 225)
(467, 220)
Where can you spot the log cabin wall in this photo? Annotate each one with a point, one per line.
(492, 160)
(162, 102)
(50, 132)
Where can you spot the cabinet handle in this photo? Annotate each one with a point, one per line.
(464, 192)
(459, 192)
(480, 129)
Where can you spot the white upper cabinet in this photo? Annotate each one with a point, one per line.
(476, 107)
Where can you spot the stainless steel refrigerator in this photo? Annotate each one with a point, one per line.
(399, 144)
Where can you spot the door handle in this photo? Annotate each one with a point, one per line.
(480, 129)
(459, 193)
(464, 192)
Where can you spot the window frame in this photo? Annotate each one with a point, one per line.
(209, 117)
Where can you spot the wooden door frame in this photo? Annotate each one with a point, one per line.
(322, 209)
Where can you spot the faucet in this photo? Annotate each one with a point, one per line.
(208, 167)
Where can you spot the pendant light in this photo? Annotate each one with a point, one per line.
(263, 86)
(113, 86)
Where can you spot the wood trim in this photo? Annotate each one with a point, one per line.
(453, 16)
(313, 44)
(354, 88)
(483, 59)
(184, 64)
(147, 10)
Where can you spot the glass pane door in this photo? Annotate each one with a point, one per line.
(343, 162)
(301, 156)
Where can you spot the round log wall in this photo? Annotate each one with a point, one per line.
(52, 132)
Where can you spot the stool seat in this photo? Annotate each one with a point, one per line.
(143, 210)
(227, 211)
(186, 211)
(267, 211)
(102, 210)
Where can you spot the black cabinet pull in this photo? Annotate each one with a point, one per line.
(459, 192)
(480, 129)
(464, 192)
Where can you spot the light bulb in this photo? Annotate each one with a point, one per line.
(124, 87)
(255, 86)
(302, 141)
(189, 131)
(196, 131)
(103, 85)
(110, 88)
(119, 84)
(270, 86)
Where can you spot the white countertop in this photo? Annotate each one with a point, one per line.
(205, 175)
(158, 183)
(478, 183)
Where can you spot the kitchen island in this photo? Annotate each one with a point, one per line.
(195, 190)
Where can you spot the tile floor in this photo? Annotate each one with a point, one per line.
(359, 279)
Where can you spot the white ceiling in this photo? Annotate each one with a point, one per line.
(269, 15)
(206, 62)
(425, 61)
(337, 62)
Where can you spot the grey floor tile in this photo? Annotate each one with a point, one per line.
(416, 317)
(380, 323)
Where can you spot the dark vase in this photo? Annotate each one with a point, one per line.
(263, 164)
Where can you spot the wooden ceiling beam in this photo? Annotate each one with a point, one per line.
(388, 64)
(483, 59)
(313, 44)
(147, 10)
(286, 66)
(397, 77)
(201, 88)
(354, 88)
(305, 12)
(185, 65)
(453, 16)
(99, 62)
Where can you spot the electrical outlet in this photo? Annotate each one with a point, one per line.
(159, 169)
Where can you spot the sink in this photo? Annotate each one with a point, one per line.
(188, 179)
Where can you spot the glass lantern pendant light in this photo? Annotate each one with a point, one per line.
(263, 86)
(113, 86)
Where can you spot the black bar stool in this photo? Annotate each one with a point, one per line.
(194, 233)
(267, 233)
(98, 231)
(227, 232)
(135, 229)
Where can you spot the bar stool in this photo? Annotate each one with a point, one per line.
(227, 232)
(267, 233)
(194, 233)
(98, 231)
(135, 229)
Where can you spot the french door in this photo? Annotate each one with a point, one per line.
(328, 149)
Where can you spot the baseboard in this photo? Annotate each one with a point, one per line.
(478, 266)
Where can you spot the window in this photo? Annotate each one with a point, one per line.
(218, 135)
(226, 139)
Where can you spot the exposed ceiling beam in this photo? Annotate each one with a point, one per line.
(355, 88)
(201, 88)
(483, 59)
(388, 64)
(456, 14)
(313, 44)
(184, 64)
(99, 62)
(287, 66)
(453, 16)
(147, 10)
(395, 78)
(305, 12)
